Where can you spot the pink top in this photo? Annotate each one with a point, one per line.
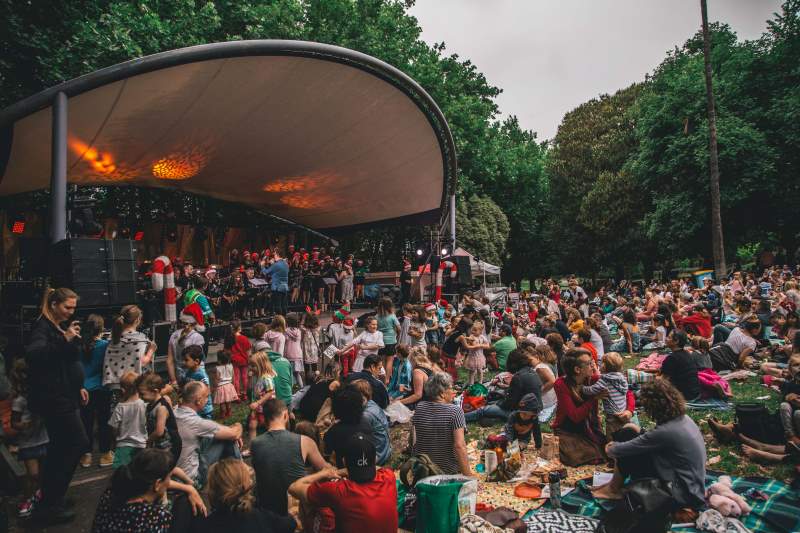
(276, 340)
(294, 347)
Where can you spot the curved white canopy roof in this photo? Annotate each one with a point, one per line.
(320, 135)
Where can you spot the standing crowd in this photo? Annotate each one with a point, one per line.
(316, 429)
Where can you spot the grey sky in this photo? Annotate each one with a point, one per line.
(551, 56)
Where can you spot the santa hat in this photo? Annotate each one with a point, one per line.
(509, 311)
(193, 314)
(341, 314)
(254, 256)
(430, 307)
(348, 323)
(442, 303)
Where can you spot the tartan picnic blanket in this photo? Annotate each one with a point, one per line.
(780, 513)
(709, 404)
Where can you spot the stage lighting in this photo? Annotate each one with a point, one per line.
(419, 252)
(17, 224)
(444, 251)
(138, 236)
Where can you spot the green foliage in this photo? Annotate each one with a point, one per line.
(484, 228)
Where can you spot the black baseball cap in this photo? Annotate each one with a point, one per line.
(360, 458)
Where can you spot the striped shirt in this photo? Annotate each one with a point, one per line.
(434, 424)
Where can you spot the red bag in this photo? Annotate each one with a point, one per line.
(470, 403)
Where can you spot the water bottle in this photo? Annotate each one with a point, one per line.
(555, 490)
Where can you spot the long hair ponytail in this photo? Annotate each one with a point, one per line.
(55, 296)
(127, 317)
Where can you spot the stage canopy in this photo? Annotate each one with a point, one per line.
(317, 134)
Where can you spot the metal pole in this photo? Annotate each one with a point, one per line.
(58, 170)
(453, 223)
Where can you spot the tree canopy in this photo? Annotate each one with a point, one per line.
(624, 182)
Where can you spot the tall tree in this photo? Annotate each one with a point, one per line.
(717, 242)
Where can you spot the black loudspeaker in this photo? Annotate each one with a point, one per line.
(102, 272)
(33, 257)
(160, 332)
(464, 271)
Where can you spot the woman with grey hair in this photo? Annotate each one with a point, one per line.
(438, 426)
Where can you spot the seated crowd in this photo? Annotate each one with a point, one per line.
(316, 430)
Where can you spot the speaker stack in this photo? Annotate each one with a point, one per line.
(102, 272)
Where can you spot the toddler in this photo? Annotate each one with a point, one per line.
(276, 336)
(263, 388)
(293, 347)
(225, 393)
(400, 382)
(524, 422)
(612, 380)
(128, 421)
(311, 340)
(239, 346)
(417, 327)
(475, 362)
(31, 437)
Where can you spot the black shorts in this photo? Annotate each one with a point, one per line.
(388, 350)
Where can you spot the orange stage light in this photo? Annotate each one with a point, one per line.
(179, 166)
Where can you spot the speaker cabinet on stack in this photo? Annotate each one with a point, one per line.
(102, 272)
(464, 272)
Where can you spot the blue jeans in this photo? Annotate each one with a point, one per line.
(492, 410)
(721, 334)
(211, 451)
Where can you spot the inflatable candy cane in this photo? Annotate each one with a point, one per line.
(164, 279)
(439, 275)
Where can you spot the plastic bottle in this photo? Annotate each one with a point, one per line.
(555, 490)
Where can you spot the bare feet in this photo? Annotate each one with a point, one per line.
(724, 433)
(606, 492)
(758, 456)
(769, 448)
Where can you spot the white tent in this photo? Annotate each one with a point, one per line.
(477, 267)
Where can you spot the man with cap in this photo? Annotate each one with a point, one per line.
(361, 496)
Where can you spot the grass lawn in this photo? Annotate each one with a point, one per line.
(731, 461)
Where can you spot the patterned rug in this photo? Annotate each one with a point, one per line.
(780, 513)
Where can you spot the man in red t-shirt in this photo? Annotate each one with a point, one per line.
(361, 497)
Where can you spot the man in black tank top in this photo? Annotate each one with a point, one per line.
(280, 458)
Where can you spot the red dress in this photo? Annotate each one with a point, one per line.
(240, 359)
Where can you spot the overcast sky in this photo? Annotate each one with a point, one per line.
(549, 56)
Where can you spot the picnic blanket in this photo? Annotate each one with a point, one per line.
(778, 514)
(709, 404)
(651, 363)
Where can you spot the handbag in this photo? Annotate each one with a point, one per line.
(646, 507)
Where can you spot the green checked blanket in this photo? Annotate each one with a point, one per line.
(780, 513)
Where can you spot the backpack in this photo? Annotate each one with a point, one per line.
(416, 467)
(755, 421)
(645, 508)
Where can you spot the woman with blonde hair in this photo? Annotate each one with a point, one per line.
(55, 392)
(423, 369)
(231, 494)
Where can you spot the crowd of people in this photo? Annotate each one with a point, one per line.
(316, 430)
(257, 284)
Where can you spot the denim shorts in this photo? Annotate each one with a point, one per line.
(34, 452)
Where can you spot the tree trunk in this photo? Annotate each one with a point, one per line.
(717, 243)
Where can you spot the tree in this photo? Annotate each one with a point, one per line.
(717, 242)
(483, 228)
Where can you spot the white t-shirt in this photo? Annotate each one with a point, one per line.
(738, 341)
(193, 338)
(224, 374)
(130, 424)
(36, 433)
(365, 338)
(597, 342)
(549, 397)
(191, 429)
